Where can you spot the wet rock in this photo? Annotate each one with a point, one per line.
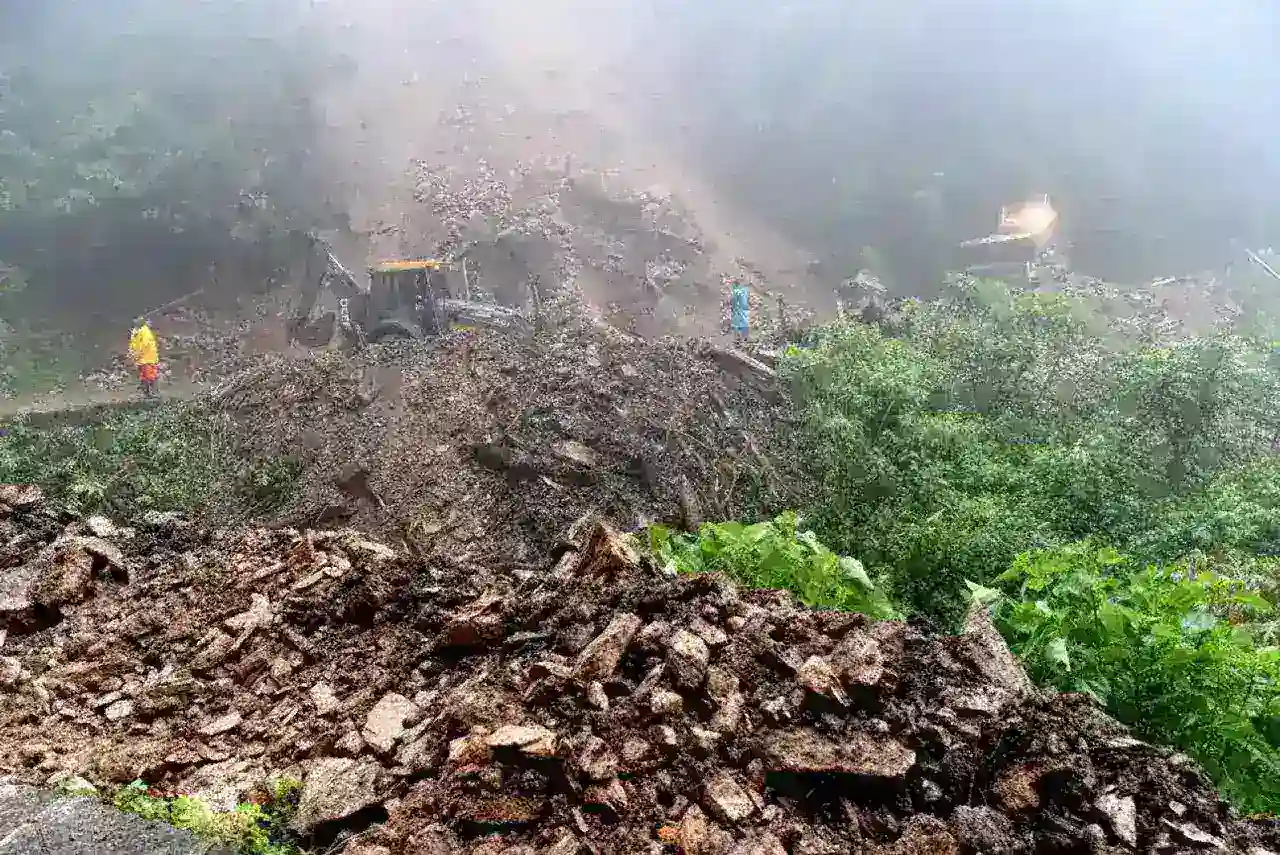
(858, 660)
(729, 802)
(529, 740)
(687, 660)
(119, 710)
(1122, 815)
(385, 723)
(221, 725)
(924, 835)
(324, 699)
(700, 836)
(334, 788)
(479, 622)
(805, 750)
(600, 658)
(981, 829)
(21, 497)
(666, 704)
(761, 844)
(818, 676)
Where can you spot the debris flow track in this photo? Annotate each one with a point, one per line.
(436, 706)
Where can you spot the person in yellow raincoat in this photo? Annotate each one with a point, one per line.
(146, 355)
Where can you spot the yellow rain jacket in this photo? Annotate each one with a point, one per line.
(142, 346)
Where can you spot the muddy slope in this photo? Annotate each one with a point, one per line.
(490, 444)
(597, 706)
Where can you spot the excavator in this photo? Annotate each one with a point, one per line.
(1024, 238)
(401, 298)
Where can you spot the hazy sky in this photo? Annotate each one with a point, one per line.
(901, 124)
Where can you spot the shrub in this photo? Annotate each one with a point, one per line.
(1180, 653)
(773, 554)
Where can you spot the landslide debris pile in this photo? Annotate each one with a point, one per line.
(597, 706)
(491, 443)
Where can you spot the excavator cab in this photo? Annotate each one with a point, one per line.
(406, 298)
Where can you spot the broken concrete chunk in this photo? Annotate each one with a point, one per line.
(230, 721)
(531, 740)
(728, 801)
(385, 723)
(324, 698)
(687, 659)
(335, 787)
(600, 658)
(1121, 812)
(805, 750)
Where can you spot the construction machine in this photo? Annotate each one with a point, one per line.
(1023, 240)
(402, 298)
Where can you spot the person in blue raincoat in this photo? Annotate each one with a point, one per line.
(739, 309)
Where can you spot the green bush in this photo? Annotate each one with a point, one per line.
(1182, 654)
(773, 554)
(170, 457)
(250, 829)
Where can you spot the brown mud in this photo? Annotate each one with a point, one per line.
(593, 704)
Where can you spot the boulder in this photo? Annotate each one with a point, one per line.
(385, 724)
(335, 788)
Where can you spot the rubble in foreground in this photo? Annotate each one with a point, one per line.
(594, 705)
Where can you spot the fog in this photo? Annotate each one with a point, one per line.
(811, 129)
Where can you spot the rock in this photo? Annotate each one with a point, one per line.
(530, 740)
(700, 836)
(350, 745)
(818, 676)
(478, 622)
(324, 698)
(576, 452)
(65, 577)
(687, 659)
(257, 616)
(728, 801)
(74, 785)
(1018, 789)
(21, 497)
(597, 698)
(281, 668)
(566, 845)
(666, 704)
(805, 750)
(218, 646)
(119, 710)
(857, 658)
(470, 750)
(1121, 812)
(221, 725)
(600, 658)
(385, 723)
(596, 761)
(100, 526)
(1196, 835)
(335, 787)
(982, 646)
(763, 844)
(109, 553)
(981, 829)
(924, 835)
